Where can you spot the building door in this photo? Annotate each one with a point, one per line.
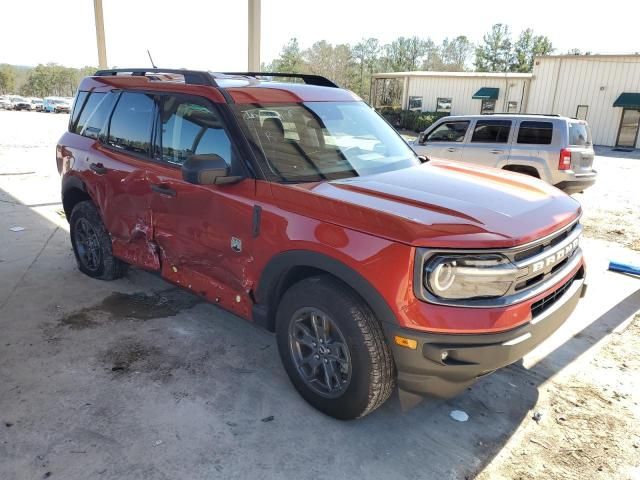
(628, 133)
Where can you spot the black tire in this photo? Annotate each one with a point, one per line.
(94, 256)
(370, 371)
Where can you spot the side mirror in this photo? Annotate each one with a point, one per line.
(422, 137)
(207, 170)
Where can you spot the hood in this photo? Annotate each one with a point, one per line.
(438, 204)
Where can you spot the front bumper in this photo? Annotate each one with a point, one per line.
(469, 357)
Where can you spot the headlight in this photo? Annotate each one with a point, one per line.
(466, 277)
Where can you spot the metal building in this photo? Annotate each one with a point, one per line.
(603, 89)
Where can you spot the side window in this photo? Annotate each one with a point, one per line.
(77, 107)
(94, 114)
(536, 133)
(191, 126)
(449, 132)
(491, 131)
(130, 126)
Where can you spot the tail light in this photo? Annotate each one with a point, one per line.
(565, 160)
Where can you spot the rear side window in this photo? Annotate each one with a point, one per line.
(191, 126)
(95, 113)
(536, 133)
(491, 131)
(77, 108)
(579, 134)
(449, 132)
(130, 126)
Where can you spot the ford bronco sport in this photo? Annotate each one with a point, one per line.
(297, 207)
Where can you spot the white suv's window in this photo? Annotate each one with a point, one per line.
(449, 132)
(579, 134)
(535, 133)
(491, 131)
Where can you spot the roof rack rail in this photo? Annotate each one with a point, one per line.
(531, 114)
(307, 78)
(191, 77)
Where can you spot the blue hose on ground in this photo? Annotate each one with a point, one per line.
(624, 268)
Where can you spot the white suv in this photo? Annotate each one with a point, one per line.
(555, 149)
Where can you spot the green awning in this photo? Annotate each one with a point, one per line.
(628, 100)
(487, 93)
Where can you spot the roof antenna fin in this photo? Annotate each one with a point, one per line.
(151, 59)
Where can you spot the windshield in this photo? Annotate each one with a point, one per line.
(313, 141)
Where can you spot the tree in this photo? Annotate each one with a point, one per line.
(7, 79)
(494, 54)
(404, 54)
(527, 48)
(290, 60)
(365, 53)
(50, 79)
(455, 54)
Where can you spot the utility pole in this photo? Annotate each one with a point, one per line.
(254, 35)
(102, 48)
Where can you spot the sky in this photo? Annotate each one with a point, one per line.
(212, 34)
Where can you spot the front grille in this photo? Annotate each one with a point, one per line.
(545, 303)
(530, 252)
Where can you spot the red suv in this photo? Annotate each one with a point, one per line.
(297, 207)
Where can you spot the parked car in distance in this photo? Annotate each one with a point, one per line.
(38, 104)
(297, 207)
(57, 104)
(30, 104)
(15, 99)
(5, 103)
(555, 149)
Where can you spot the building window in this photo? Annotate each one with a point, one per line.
(488, 106)
(581, 112)
(512, 107)
(415, 103)
(443, 105)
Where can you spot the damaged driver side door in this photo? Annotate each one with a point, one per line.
(119, 162)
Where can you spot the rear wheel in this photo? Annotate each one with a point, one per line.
(92, 244)
(333, 348)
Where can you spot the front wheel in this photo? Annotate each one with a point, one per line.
(333, 348)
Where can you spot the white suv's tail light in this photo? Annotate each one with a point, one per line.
(565, 160)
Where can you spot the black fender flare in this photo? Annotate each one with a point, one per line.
(69, 183)
(269, 287)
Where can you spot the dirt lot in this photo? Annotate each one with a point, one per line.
(137, 379)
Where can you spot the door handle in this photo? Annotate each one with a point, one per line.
(452, 149)
(496, 152)
(164, 190)
(98, 168)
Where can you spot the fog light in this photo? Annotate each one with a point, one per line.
(406, 342)
(444, 355)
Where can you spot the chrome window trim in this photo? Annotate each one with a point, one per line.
(514, 296)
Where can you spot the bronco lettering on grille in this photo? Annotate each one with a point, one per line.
(548, 262)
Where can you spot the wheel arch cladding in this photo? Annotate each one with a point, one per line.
(73, 192)
(288, 268)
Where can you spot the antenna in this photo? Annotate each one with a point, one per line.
(151, 59)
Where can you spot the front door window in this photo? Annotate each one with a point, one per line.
(628, 134)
